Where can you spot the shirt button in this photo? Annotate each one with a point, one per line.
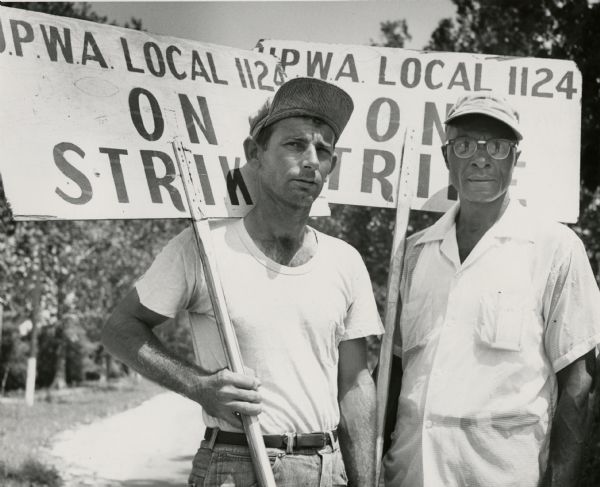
(428, 424)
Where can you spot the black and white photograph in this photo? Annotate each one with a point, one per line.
(300, 243)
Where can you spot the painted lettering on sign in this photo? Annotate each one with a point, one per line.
(104, 105)
(424, 71)
(160, 176)
(397, 89)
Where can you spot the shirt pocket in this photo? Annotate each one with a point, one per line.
(416, 323)
(501, 318)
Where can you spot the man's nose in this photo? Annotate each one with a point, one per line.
(480, 158)
(311, 158)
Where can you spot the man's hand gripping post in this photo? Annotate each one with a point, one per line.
(258, 452)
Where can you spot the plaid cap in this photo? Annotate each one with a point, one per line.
(488, 104)
(305, 97)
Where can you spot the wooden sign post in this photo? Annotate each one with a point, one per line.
(258, 452)
(393, 305)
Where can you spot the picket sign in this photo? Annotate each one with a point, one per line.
(394, 89)
(258, 452)
(393, 306)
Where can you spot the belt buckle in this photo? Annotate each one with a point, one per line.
(289, 440)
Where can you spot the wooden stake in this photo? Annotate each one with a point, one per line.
(258, 452)
(392, 303)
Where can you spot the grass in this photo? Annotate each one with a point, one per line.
(25, 431)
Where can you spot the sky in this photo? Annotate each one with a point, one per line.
(242, 24)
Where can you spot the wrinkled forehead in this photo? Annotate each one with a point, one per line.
(479, 126)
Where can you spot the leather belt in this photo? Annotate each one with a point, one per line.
(299, 441)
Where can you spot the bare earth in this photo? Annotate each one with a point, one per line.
(151, 445)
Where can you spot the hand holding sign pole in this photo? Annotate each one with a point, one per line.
(258, 452)
(393, 305)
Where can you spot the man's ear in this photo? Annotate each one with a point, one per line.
(517, 155)
(445, 154)
(334, 161)
(251, 150)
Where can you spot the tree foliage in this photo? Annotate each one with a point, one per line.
(78, 10)
(395, 33)
(85, 267)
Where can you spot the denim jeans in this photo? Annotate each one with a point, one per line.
(231, 466)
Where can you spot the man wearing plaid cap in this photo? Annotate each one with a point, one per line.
(301, 303)
(500, 319)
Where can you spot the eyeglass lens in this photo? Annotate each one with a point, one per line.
(467, 146)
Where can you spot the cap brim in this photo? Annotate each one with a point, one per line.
(489, 113)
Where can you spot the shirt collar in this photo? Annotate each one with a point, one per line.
(512, 224)
(440, 228)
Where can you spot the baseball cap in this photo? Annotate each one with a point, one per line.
(305, 97)
(488, 104)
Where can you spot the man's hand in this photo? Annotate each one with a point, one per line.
(226, 395)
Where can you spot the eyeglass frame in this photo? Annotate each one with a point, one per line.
(511, 144)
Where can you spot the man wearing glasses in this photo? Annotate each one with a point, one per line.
(495, 350)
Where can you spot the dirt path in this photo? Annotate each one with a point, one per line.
(151, 445)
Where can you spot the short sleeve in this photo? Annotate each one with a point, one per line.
(572, 301)
(362, 318)
(173, 282)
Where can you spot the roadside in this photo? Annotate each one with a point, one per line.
(151, 445)
(27, 432)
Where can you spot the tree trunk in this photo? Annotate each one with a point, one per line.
(35, 319)
(4, 379)
(60, 336)
(60, 374)
(108, 365)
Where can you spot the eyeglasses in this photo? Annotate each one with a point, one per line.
(465, 146)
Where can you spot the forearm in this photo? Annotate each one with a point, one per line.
(357, 431)
(222, 394)
(569, 432)
(392, 402)
(134, 344)
(570, 429)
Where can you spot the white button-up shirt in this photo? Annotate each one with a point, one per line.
(481, 342)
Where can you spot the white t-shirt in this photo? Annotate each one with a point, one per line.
(481, 342)
(289, 321)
